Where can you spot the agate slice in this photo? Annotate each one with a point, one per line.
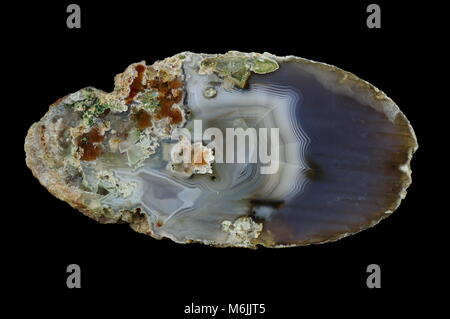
(340, 164)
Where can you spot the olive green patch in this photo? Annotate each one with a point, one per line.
(237, 69)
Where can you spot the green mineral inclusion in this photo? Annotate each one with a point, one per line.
(237, 69)
(93, 112)
(88, 103)
(149, 100)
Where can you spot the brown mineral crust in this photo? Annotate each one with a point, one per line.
(143, 119)
(47, 165)
(169, 89)
(52, 176)
(137, 220)
(88, 142)
(136, 86)
(169, 94)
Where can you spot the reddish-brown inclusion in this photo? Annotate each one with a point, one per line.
(136, 86)
(166, 95)
(167, 99)
(143, 119)
(86, 142)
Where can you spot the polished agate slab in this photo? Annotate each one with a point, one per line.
(330, 156)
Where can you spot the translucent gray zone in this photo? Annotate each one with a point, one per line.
(352, 178)
(193, 209)
(353, 155)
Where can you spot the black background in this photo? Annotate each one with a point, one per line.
(124, 270)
